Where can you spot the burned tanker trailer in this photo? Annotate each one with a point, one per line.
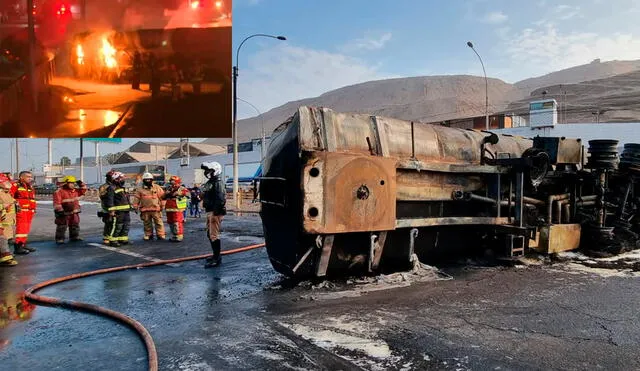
(358, 193)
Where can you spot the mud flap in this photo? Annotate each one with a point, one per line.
(325, 255)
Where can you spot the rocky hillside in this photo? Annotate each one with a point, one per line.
(610, 85)
(617, 98)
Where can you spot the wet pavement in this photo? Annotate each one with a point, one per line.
(243, 315)
(71, 108)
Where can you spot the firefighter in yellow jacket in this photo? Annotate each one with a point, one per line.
(7, 221)
(148, 200)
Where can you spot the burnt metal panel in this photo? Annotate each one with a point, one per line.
(558, 237)
(561, 150)
(459, 220)
(434, 186)
(348, 193)
(324, 129)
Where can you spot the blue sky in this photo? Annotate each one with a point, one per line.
(337, 43)
(334, 43)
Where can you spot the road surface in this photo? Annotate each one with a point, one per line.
(72, 108)
(242, 315)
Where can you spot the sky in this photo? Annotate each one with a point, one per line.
(335, 43)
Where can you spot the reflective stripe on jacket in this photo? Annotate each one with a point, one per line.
(68, 200)
(116, 199)
(25, 196)
(7, 210)
(176, 200)
(148, 199)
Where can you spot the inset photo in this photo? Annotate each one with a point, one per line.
(129, 68)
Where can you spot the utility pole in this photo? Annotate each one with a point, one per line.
(32, 55)
(564, 108)
(17, 157)
(81, 160)
(98, 161)
(50, 151)
(11, 157)
(234, 132)
(486, 87)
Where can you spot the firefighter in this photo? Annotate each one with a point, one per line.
(7, 221)
(25, 196)
(148, 200)
(196, 80)
(66, 206)
(104, 213)
(176, 196)
(214, 201)
(116, 202)
(174, 76)
(137, 70)
(154, 82)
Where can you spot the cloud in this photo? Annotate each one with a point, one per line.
(367, 43)
(495, 17)
(566, 12)
(277, 75)
(544, 49)
(254, 2)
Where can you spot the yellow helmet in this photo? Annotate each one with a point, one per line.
(69, 179)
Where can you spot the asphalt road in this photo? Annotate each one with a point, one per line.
(72, 108)
(243, 315)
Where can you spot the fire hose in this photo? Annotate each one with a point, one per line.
(145, 336)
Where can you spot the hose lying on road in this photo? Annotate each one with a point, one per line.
(76, 305)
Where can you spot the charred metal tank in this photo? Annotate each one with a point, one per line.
(343, 192)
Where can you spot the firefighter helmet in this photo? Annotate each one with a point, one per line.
(69, 179)
(175, 179)
(5, 181)
(147, 176)
(109, 174)
(214, 167)
(117, 175)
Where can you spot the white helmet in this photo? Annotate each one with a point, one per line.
(214, 167)
(147, 176)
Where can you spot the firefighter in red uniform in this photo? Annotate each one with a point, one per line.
(66, 206)
(25, 197)
(176, 196)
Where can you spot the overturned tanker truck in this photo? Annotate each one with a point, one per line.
(353, 192)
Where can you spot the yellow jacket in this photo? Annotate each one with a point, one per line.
(148, 199)
(7, 214)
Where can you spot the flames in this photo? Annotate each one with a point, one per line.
(80, 54)
(108, 53)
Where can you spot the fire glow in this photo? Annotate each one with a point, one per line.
(108, 54)
(80, 54)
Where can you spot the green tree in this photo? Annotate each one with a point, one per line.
(65, 161)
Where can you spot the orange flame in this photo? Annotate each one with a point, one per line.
(108, 54)
(80, 54)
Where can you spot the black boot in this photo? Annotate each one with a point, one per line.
(18, 249)
(28, 248)
(215, 260)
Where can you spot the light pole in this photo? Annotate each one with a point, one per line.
(235, 115)
(486, 87)
(597, 114)
(262, 138)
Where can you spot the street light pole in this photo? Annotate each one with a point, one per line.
(32, 55)
(235, 115)
(262, 139)
(486, 87)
